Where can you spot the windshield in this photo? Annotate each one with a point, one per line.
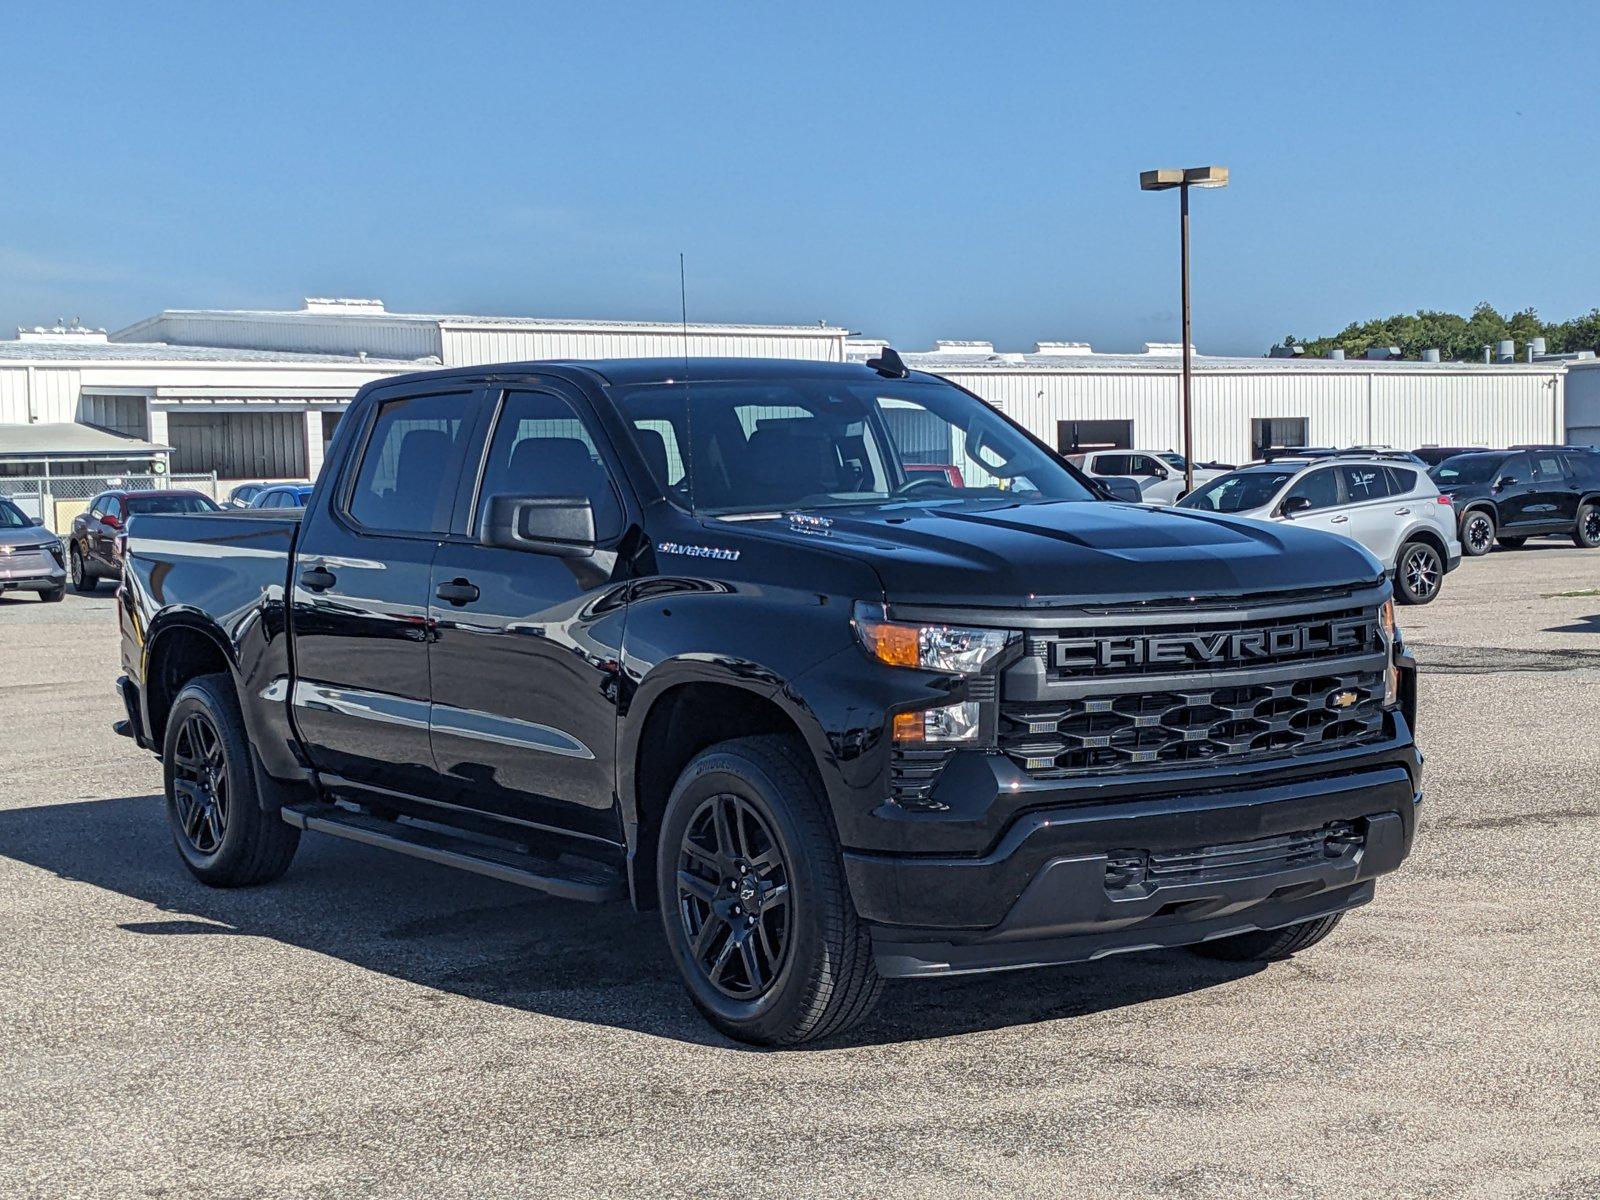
(12, 517)
(1467, 468)
(168, 504)
(1239, 492)
(764, 446)
(1173, 459)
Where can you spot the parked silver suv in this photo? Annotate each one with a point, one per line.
(1391, 508)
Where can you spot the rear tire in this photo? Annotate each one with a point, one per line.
(1269, 945)
(754, 902)
(1418, 573)
(1477, 533)
(1586, 533)
(222, 833)
(1512, 543)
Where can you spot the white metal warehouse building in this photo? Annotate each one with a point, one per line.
(255, 394)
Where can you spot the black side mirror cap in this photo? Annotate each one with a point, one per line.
(1507, 481)
(562, 526)
(1120, 487)
(1295, 504)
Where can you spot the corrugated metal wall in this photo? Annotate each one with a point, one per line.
(1583, 405)
(55, 394)
(120, 414)
(308, 334)
(239, 445)
(470, 347)
(1358, 407)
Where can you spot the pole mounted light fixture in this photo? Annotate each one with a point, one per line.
(1183, 178)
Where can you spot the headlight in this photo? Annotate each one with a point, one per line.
(953, 649)
(1391, 643)
(949, 725)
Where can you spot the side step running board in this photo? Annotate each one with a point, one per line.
(569, 877)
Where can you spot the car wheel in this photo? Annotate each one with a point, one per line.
(1512, 543)
(1586, 533)
(224, 835)
(1419, 573)
(52, 595)
(1267, 945)
(754, 902)
(83, 580)
(1477, 533)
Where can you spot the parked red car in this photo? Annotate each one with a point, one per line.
(95, 547)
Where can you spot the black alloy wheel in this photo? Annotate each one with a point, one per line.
(200, 784)
(1477, 533)
(733, 897)
(1420, 574)
(1587, 532)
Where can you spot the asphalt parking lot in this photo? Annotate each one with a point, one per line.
(376, 1026)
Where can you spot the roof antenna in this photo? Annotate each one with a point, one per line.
(688, 395)
(889, 364)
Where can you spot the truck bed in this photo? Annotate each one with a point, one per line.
(215, 562)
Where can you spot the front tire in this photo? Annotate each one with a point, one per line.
(1586, 533)
(1477, 533)
(754, 902)
(222, 833)
(53, 595)
(1419, 573)
(1512, 543)
(83, 579)
(1269, 945)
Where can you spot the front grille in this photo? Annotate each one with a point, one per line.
(1205, 864)
(1170, 728)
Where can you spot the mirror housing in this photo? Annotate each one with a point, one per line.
(36, 520)
(1506, 481)
(562, 526)
(1296, 504)
(1120, 487)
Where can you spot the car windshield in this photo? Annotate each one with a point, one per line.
(1467, 468)
(826, 441)
(167, 504)
(1238, 492)
(12, 517)
(1174, 460)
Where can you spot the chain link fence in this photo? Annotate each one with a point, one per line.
(59, 498)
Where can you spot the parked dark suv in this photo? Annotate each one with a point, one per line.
(1511, 495)
(95, 546)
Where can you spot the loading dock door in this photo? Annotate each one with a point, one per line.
(239, 445)
(1076, 437)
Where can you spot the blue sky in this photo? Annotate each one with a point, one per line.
(915, 171)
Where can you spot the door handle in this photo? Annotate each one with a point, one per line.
(457, 592)
(1339, 520)
(317, 579)
(1402, 512)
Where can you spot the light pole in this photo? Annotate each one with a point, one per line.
(1183, 179)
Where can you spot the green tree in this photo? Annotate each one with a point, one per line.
(1457, 338)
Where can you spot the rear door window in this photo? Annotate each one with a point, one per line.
(1364, 484)
(407, 478)
(1547, 469)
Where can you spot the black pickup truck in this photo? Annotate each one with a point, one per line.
(835, 665)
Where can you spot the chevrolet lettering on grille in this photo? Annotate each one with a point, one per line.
(1223, 649)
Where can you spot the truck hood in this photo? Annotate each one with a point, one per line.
(1041, 555)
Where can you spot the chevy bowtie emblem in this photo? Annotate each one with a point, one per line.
(1343, 699)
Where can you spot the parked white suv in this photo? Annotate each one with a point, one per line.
(1391, 508)
(1159, 476)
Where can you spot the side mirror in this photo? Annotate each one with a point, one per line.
(36, 520)
(1506, 481)
(1161, 473)
(1296, 504)
(562, 526)
(1120, 487)
(111, 522)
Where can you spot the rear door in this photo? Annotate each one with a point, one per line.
(360, 591)
(1376, 519)
(526, 657)
(1555, 500)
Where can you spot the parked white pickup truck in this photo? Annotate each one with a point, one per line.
(1160, 476)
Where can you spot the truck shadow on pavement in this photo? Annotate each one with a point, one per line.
(502, 944)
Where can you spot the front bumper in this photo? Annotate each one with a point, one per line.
(31, 569)
(1067, 885)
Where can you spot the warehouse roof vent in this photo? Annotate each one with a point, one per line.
(343, 305)
(1336, 354)
(60, 332)
(952, 347)
(1431, 355)
(1382, 353)
(1053, 349)
(1167, 349)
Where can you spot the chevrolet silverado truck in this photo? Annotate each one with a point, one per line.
(699, 635)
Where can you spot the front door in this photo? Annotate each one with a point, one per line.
(1516, 496)
(526, 657)
(360, 594)
(1321, 488)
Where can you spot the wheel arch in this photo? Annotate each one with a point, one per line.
(680, 709)
(182, 648)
